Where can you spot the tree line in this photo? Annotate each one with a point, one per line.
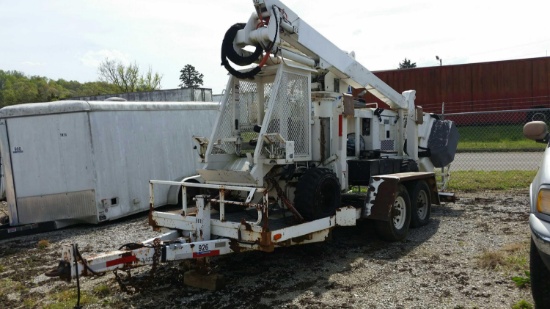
(113, 77)
(17, 88)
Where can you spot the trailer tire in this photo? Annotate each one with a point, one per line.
(397, 227)
(421, 204)
(317, 194)
(191, 193)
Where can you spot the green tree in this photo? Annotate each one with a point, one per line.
(407, 64)
(17, 88)
(128, 78)
(190, 77)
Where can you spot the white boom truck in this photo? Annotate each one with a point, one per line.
(286, 150)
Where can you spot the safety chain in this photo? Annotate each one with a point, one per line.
(156, 258)
(129, 284)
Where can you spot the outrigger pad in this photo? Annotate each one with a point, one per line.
(442, 142)
(197, 279)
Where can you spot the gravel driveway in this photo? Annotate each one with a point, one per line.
(464, 258)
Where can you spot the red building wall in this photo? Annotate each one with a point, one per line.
(488, 86)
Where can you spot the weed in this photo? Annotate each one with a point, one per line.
(29, 303)
(102, 290)
(68, 298)
(522, 281)
(522, 304)
(517, 262)
(8, 286)
(512, 257)
(491, 259)
(1, 268)
(43, 244)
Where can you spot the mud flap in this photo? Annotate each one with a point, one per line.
(382, 191)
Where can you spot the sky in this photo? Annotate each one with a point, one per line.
(68, 38)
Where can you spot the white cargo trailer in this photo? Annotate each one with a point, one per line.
(69, 162)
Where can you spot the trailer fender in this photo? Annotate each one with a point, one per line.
(382, 191)
(174, 191)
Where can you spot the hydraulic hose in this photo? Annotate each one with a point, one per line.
(228, 52)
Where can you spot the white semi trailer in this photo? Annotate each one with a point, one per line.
(287, 150)
(71, 162)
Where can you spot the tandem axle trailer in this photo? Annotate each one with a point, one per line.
(216, 226)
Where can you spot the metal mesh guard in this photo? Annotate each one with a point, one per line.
(290, 112)
(243, 98)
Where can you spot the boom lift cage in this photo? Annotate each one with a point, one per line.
(263, 122)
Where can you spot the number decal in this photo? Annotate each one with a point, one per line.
(204, 251)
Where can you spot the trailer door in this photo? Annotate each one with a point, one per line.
(52, 167)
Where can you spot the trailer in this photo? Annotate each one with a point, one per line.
(292, 155)
(71, 162)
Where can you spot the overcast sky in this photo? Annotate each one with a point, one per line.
(69, 38)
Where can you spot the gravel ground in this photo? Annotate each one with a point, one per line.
(440, 265)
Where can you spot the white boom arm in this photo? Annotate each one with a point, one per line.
(274, 26)
(283, 25)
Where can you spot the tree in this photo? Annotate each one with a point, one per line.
(128, 78)
(407, 64)
(17, 88)
(190, 77)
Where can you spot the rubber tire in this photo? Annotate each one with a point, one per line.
(540, 279)
(317, 194)
(396, 229)
(420, 196)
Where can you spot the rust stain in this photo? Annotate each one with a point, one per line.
(234, 246)
(266, 244)
(302, 238)
(265, 218)
(247, 225)
(152, 221)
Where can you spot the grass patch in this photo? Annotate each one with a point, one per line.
(495, 138)
(491, 259)
(43, 244)
(489, 180)
(102, 290)
(8, 286)
(511, 257)
(68, 298)
(522, 304)
(30, 303)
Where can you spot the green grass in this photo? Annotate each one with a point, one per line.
(495, 138)
(522, 304)
(489, 180)
(68, 299)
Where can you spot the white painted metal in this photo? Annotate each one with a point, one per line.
(297, 127)
(316, 46)
(109, 149)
